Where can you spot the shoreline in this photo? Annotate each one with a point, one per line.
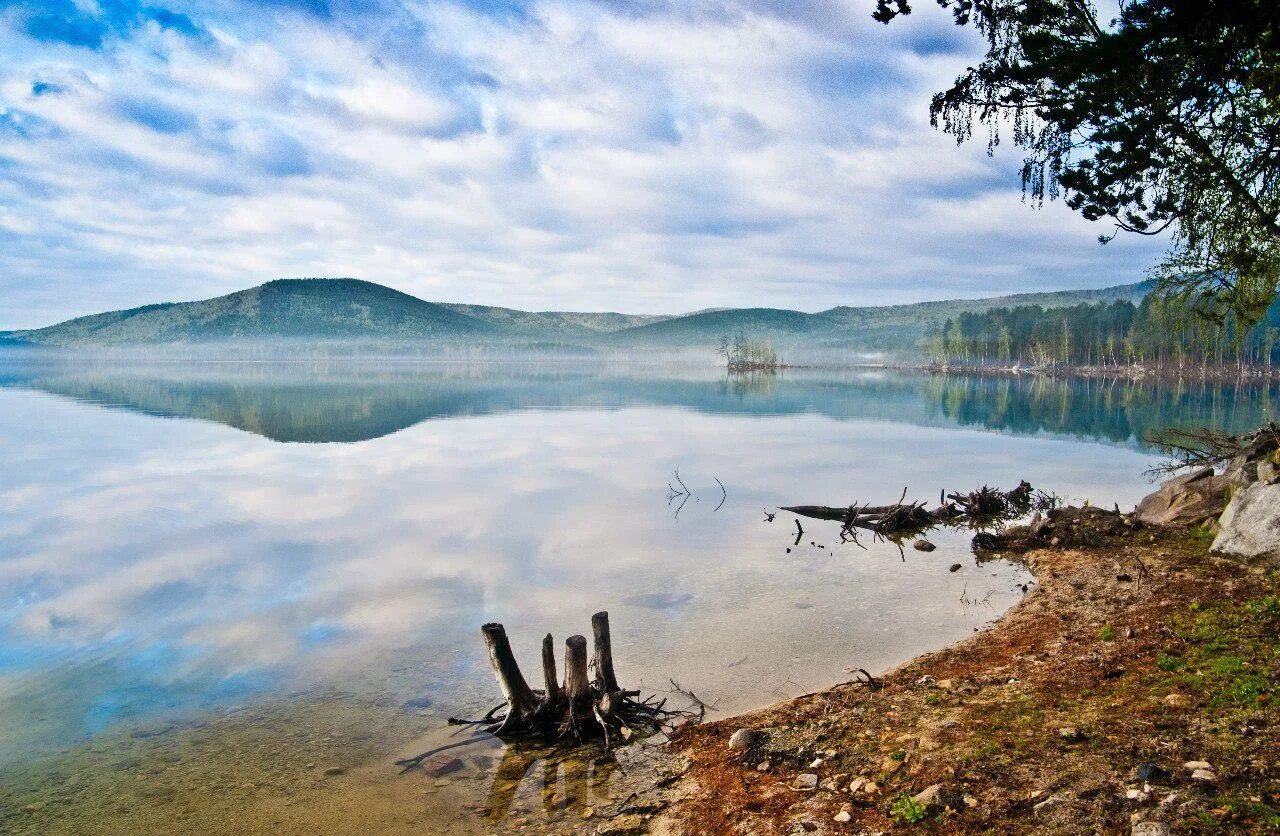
(1084, 708)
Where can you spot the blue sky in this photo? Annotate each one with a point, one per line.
(646, 157)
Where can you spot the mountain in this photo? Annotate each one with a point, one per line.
(558, 323)
(354, 310)
(706, 327)
(948, 309)
(286, 308)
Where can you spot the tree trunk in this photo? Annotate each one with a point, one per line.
(602, 660)
(521, 701)
(576, 686)
(552, 682)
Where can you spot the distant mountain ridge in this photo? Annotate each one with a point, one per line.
(344, 309)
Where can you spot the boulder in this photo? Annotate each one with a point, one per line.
(1250, 527)
(1188, 500)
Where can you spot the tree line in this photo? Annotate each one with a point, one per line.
(1153, 333)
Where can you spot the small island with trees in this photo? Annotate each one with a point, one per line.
(744, 354)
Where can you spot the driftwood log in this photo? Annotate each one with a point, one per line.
(985, 507)
(588, 705)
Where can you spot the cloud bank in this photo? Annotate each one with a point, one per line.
(549, 154)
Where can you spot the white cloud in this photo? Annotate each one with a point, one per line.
(575, 156)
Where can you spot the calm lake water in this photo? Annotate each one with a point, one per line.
(228, 563)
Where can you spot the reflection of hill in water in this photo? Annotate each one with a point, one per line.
(358, 404)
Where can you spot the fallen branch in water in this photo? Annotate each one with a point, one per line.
(983, 508)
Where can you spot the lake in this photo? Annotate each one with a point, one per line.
(220, 584)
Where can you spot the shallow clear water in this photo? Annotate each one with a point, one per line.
(184, 543)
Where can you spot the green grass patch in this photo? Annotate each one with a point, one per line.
(1232, 653)
(906, 810)
(1107, 633)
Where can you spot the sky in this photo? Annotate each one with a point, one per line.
(550, 154)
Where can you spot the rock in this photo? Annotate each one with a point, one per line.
(1250, 527)
(334, 770)
(923, 545)
(805, 782)
(1070, 734)
(1268, 473)
(937, 798)
(627, 825)
(870, 788)
(1192, 766)
(1205, 775)
(1149, 828)
(856, 784)
(1049, 803)
(842, 817)
(1187, 500)
(1151, 773)
(808, 826)
(743, 739)
(955, 567)
(764, 766)
(438, 765)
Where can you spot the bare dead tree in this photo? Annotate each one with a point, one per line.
(1205, 447)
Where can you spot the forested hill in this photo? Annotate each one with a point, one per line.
(352, 310)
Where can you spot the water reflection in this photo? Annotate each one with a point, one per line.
(151, 570)
(357, 402)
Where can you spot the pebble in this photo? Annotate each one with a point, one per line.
(764, 765)
(1206, 775)
(1069, 733)
(334, 770)
(438, 765)
(743, 739)
(955, 567)
(1049, 803)
(805, 782)
(842, 817)
(923, 545)
(1192, 766)
(1176, 700)
(1149, 828)
(936, 797)
(623, 826)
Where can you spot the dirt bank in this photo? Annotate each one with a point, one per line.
(1084, 710)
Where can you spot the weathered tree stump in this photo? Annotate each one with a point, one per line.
(553, 696)
(522, 703)
(589, 705)
(602, 659)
